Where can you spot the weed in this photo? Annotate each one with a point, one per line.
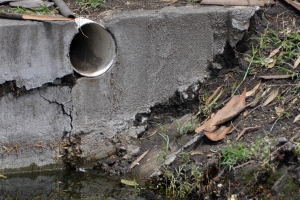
(186, 127)
(43, 10)
(233, 154)
(181, 183)
(166, 144)
(184, 157)
(86, 4)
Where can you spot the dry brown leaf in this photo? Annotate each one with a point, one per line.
(249, 93)
(213, 95)
(134, 163)
(236, 105)
(297, 62)
(219, 134)
(279, 110)
(272, 64)
(275, 51)
(297, 118)
(256, 100)
(266, 91)
(271, 97)
(246, 113)
(276, 76)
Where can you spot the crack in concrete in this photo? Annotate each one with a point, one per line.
(62, 107)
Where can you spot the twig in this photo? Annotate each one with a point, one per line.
(244, 164)
(247, 129)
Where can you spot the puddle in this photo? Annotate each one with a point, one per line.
(91, 184)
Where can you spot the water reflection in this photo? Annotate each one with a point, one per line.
(69, 185)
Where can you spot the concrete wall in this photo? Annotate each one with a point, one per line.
(158, 53)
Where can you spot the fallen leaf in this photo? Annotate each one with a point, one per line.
(197, 153)
(297, 62)
(275, 51)
(256, 100)
(297, 118)
(271, 97)
(219, 134)
(246, 113)
(2, 176)
(128, 182)
(279, 110)
(134, 163)
(213, 95)
(265, 92)
(276, 76)
(236, 105)
(249, 93)
(268, 60)
(272, 64)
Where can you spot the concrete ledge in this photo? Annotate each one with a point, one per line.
(34, 53)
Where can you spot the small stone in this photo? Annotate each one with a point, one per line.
(288, 147)
(281, 141)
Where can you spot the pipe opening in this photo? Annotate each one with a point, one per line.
(92, 49)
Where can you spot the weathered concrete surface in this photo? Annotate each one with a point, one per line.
(158, 53)
(32, 126)
(34, 53)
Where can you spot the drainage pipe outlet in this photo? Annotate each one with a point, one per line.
(92, 50)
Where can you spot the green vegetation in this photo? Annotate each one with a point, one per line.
(87, 4)
(42, 10)
(166, 144)
(185, 128)
(181, 183)
(233, 154)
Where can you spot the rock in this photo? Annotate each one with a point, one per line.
(132, 150)
(31, 4)
(281, 141)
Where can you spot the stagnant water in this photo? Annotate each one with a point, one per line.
(90, 184)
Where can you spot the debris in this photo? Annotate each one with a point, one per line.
(275, 51)
(271, 97)
(236, 2)
(272, 64)
(247, 129)
(279, 111)
(134, 163)
(297, 62)
(196, 153)
(211, 128)
(128, 182)
(249, 93)
(218, 90)
(256, 100)
(294, 4)
(218, 134)
(276, 76)
(296, 118)
(2, 176)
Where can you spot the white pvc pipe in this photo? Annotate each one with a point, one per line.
(92, 50)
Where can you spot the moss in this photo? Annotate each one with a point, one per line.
(291, 190)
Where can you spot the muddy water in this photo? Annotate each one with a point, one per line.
(90, 184)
